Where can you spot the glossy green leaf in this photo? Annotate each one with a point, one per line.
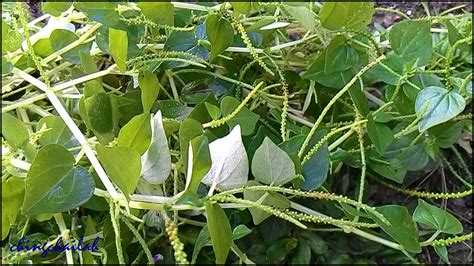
(162, 13)
(401, 227)
(442, 106)
(414, 157)
(53, 183)
(61, 38)
(220, 34)
(156, 162)
(150, 89)
(272, 165)
(58, 132)
(136, 134)
(436, 218)
(442, 252)
(13, 190)
(99, 112)
(230, 166)
(380, 135)
(199, 162)
(220, 231)
(55, 8)
(446, 134)
(185, 42)
(102, 12)
(240, 231)
(213, 110)
(123, 166)
(245, 118)
(350, 15)
(14, 131)
(360, 100)
(412, 40)
(118, 46)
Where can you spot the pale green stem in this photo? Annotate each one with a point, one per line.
(62, 229)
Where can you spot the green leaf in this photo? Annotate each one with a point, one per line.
(442, 106)
(401, 227)
(230, 166)
(414, 157)
(213, 110)
(118, 46)
(220, 34)
(359, 99)
(7, 67)
(392, 169)
(55, 8)
(380, 135)
(436, 218)
(99, 112)
(188, 130)
(240, 231)
(412, 40)
(281, 248)
(220, 231)
(272, 165)
(245, 118)
(136, 134)
(156, 162)
(162, 13)
(13, 190)
(58, 132)
(14, 131)
(123, 166)
(302, 254)
(264, 198)
(303, 15)
(202, 240)
(446, 134)
(241, 7)
(61, 38)
(185, 42)
(442, 252)
(102, 12)
(13, 42)
(148, 83)
(315, 170)
(54, 185)
(351, 15)
(199, 162)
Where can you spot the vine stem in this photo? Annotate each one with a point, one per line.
(74, 129)
(63, 229)
(334, 99)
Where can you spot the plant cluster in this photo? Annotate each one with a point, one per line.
(238, 132)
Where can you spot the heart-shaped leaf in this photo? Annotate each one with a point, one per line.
(442, 106)
(54, 185)
(220, 34)
(13, 130)
(436, 218)
(272, 165)
(412, 40)
(230, 166)
(380, 135)
(156, 162)
(123, 166)
(401, 227)
(58, 132)
(136, 134)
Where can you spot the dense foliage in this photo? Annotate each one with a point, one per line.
(234, 132)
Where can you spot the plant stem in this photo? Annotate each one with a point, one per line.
(333, 100)
(63, 229)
